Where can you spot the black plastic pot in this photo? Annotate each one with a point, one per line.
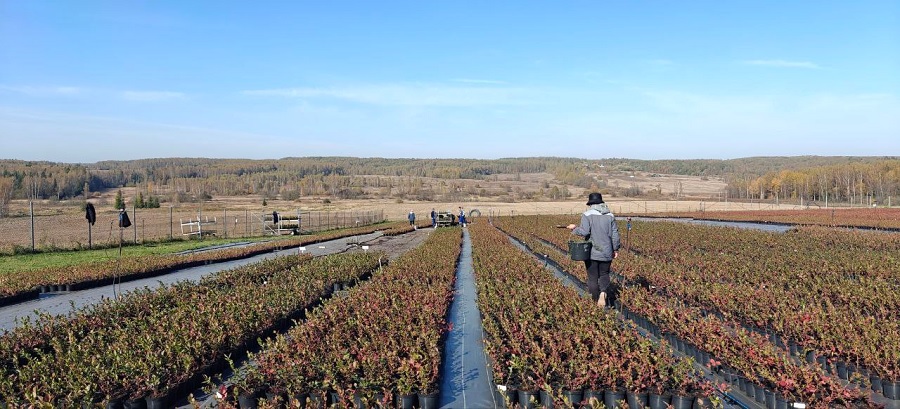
(780, 402)
(511, 394)
(162, 402)
(298, 400)
(876, 383)
(573, 398)
(115, 403)
(703, 403)
(278, 400)
(546, 399)
(689, 350)
(704, 358)
(810, 356)
(759, 394)
(381, 401)
(748, 388)
(140, 403)
(248, 400)
(891, 389)
(529, 399)
(429, 400)
(637, 400)
(658, 401)
(841, 369)
(316, 401)
(334, 398)
(682, 402)
(407, 401)
(611, 398)
(592, 394)
(823, 362)
(770, 399)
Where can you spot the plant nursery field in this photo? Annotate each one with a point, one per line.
(797, 314)
(703, 317)
(883, 218)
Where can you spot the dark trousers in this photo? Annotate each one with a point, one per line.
(598, 278)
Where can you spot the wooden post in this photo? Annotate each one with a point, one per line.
(31, 205)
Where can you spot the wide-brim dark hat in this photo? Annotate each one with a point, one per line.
(594, 198)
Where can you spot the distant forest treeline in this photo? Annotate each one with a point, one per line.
(842, 178)
(857, 183)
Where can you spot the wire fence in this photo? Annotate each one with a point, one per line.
(52, 228)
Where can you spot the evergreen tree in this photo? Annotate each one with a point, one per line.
(139, 201)
(120, 202)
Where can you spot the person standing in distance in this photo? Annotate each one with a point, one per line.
(599, 224)
(412, 218)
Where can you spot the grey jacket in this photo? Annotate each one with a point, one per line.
(599, 224)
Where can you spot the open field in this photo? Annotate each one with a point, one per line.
(62, 225)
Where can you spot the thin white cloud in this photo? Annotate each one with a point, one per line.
(55, 136)
(408, 95)
(681, 103)
(783, 64)
(477, 81)
(70, 91)
(151, 96)
(43, 91)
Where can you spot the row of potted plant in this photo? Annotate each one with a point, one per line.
(380, 345)
(77, 276)
(665, 277)
(858, 217)
(157, 344)
(545, 340)
(845, 317)
(740, 353)
(836, 284)
(402, 228)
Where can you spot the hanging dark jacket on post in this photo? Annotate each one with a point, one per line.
(124, 221)
(90, 213)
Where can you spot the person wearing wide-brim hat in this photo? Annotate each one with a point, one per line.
(598, 224)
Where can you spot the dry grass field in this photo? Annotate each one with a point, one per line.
(62, 224)
(59, 225)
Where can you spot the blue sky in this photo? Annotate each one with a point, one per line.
(83, 81)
